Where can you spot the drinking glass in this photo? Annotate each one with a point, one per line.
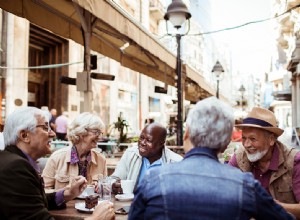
(104, 185)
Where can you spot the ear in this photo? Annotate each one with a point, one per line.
(186, 134)
(23, 136)
(272, 139)
(187, 144)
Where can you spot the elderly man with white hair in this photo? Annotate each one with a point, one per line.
(274, 165)
(200, 187)
(27, 136)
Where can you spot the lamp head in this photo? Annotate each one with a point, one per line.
(218, 71)
(177, 13)
(242, 89)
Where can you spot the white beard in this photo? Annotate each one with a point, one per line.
(257, 156)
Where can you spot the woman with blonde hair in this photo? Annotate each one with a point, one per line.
(79, 159)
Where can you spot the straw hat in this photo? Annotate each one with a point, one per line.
(263, 119)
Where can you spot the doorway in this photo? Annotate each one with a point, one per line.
(44, 88)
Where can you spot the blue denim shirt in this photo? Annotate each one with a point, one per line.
(199, 187)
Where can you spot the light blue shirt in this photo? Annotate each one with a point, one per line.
(146, 165)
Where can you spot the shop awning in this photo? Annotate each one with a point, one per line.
(115, 34)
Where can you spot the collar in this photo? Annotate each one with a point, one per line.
(155, 163)
(74, 156)
(201, 151)
(163, 156)
(32, 162)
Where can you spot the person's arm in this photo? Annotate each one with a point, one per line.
(292, 208)
(23, 196)
(120, 173)
(121, 170)
(77, 186)
(267, 208)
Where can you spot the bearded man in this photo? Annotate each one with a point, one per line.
(275, 165)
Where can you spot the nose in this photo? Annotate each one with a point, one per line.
(52, 133)
(246, 142)
(142, 140)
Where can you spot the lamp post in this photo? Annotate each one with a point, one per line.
(242, 90)
(178, 13)
(218, 74)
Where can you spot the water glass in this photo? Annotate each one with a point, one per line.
(104, 185)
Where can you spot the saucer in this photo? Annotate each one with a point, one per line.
(80, 206)
(82, 196)
(125, 197)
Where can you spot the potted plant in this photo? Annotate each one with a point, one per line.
(122, 126)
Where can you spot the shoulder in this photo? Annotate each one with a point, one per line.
(297, 159)
(61, 152)
(170, 155)
(132, 151)
(97, 154)
(13, 165)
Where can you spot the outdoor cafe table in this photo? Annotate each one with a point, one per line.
(71, 213)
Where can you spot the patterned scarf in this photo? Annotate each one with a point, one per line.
(82, 165)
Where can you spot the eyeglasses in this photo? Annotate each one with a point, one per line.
(95, 132)
(44, 127)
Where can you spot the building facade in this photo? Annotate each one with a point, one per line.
(34, 60)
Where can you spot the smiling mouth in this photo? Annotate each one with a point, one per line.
(251, 150)
(49, 143)
(142, 149)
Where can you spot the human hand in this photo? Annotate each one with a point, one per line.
(116, 187)
(103, 211)
(77, 186)
(95, 184)
(278, 202)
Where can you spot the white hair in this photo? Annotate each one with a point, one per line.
(24, 118)
(82, 122)
(210, 124)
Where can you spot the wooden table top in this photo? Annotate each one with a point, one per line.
(71, 213)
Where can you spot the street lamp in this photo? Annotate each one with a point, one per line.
(218, 74)
(178, 13)
(242, 90)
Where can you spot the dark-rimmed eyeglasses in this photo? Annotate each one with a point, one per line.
(44, 127)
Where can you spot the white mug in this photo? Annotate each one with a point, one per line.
(127, 186)
(89, 190)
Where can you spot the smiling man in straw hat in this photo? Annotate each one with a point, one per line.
(275, 165)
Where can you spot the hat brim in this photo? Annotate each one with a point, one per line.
(274, 130)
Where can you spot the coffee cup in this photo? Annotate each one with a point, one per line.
(89, 190)
(127, 186)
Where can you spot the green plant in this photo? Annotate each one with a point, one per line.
(122, 126)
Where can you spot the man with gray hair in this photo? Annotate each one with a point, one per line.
(200, 187)
(27, 136)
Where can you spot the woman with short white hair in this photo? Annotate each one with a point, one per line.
(79, 159)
